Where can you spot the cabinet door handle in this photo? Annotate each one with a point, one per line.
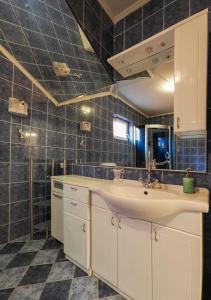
(156, 235)
(58, 196)
(112, 220)
(178, 125)
(74, 189)
(84, 228)
(119, 224)
(74, 203)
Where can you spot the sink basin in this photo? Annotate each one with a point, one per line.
(133, 200)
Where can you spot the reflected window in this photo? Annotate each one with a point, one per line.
(120, 128)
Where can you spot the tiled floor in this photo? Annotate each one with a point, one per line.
(37, 269)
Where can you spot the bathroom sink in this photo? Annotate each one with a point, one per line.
(133, 200)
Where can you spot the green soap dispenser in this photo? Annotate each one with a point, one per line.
(188, 183)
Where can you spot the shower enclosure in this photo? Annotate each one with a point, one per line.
(158, 146)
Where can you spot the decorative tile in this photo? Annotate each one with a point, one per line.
(29, 292)
(35, 274)
(56, 290)
(32, 246)
(5, 294)
(84, 288)
(51, 244)
(104, 290)
(61, 256)
(79, 272)
(5, 259)
(62, 271)
(22, 259)
(45, 257)
(11, 248)
(9, 278)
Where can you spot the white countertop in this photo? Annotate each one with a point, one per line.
(81, 180)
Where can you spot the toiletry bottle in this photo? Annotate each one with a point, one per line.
(188, 183)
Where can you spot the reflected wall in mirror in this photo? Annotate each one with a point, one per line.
(57, 52)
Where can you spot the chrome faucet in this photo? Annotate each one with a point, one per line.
(149, 182)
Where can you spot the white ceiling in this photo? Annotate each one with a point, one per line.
(151, 95)
(118, 9)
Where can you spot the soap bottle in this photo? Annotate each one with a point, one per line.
(188, 183)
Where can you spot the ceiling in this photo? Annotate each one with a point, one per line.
(153, 96)
(118, 9)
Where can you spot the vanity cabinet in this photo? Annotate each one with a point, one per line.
(145, 260)
(77, 225)
(190, 69)
(57, 217)
(121, 252)
(134, 258)
(176, 264)
(104, 244)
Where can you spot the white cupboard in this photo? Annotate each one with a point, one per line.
(134, 258)
(75, 236)
(104, 244)
(57, 216)
(144, 260)
(176, 264)
(77, 225)
(190, 71)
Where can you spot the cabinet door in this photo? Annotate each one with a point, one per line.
(104, 244)
(190, 67)
(57, 217)
(177, 264)
(75, 239)
(134, 258)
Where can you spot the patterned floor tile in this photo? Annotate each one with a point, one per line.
(9, 278)
(51, 244)
(84, 288)
(28, 292)
(61, 256)
(116, 297)
(104, 290)
(36, 274)
(56, 290)
(79, 272)
(5, 294)
(12, 248)
(22, 259)
(5, 259)
(45, 257)
(32, 246)
(62, 271)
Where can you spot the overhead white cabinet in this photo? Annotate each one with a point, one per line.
(104, 244)
(176, 264)
(134, 258)
(190, 68)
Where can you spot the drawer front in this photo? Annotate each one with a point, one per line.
(76, 208)
(77, 193)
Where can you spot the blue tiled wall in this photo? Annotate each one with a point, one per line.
(40, 32)
(97, 26)
(57, 136)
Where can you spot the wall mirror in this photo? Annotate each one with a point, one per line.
(150, 71)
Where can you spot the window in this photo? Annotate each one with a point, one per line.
(120, 128)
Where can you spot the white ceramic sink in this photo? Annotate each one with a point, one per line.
(132, 199)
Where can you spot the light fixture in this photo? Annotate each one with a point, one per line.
(168, 86)
(26, 134)
(86, 109)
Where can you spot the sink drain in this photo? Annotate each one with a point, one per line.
(145, 193)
